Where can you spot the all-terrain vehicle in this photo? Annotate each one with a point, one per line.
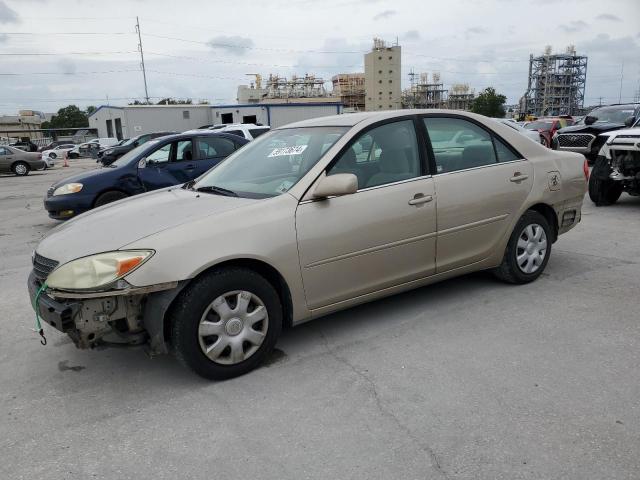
(617, 167)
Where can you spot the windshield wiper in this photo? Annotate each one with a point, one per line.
(217, 190)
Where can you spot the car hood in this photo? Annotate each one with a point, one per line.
(116, 225)
(595, 127)
(85, 176)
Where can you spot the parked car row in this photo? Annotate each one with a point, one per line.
(312, 218)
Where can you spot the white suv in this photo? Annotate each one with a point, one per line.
(249, 131)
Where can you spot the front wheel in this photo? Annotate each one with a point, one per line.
(604, 192)
(528, 250)
(226, 323)
(108, 197)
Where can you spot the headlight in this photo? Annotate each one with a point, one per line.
(68, 188)
(97, 270)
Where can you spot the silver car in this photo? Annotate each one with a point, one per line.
(306, 220)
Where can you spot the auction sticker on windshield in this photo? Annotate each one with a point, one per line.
(279, 152)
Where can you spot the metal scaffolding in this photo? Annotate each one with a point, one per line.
(425, 94)
(308, 86)
(556, 83)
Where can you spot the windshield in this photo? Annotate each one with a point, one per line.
(127, 157)
(272, 164)
(539, 125)
(618, 114)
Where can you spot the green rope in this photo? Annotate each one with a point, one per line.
(35, 307)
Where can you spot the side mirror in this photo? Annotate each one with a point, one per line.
(142, 163)
(590, 120)
(630, 121)
(336, 185)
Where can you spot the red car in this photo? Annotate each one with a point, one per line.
(547, 127)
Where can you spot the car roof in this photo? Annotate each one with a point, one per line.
(199, 133)
(352, 119)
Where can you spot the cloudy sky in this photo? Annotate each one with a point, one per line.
(57, 52)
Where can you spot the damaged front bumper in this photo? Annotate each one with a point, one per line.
(127, 316)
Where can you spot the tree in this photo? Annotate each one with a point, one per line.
(68, 117)
(489, 103)
(90, 109)
(172, 101)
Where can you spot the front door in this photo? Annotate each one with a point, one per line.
(6, 157)
(481, 182)
(382, 235)
(169, 164)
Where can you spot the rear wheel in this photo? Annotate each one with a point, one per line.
(604, 192)
(53, 155)
(226, 323)
(108, 197)
(528, 250)
(73, 155)
(21, 169)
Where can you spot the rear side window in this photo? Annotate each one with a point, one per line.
(256, 132)
(214, 146)
(505, 154)
(235, 132)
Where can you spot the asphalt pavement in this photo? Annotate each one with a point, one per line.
(466, 379)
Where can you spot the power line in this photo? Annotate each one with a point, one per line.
(66, 33)
(38, 54)
(17, 74)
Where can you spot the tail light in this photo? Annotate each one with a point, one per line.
(585, 169)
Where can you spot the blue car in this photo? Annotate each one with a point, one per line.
(161, 162)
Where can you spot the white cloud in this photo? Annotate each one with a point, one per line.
(7, 14)
(385, 14)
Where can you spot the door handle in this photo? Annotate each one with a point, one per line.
(518, 177)
(419, 199)
(191, 166)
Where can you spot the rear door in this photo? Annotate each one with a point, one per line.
(211, 150)
(480, 183)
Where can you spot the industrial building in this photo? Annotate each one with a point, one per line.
(273, 114)
(382, 70)
(350, 88)
(423, 93)
(26, 124)
(460, 97)
(133, 120)
(556, 83)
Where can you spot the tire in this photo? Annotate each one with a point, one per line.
(53, 155)
(604, 192)
(544, 142)
(21, 169)
(108, 197)
(74, 155)
(194, 313)
(523, 249)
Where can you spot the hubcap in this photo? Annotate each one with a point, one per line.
(21, 169)
(531, 249)
(233, 327)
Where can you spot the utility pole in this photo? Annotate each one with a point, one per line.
(144, 73)
(621, 77)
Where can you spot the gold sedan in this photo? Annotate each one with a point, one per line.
(306, 220)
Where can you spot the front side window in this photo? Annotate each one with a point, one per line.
(184, 150)
(214, 146)
(382, 155)
(272, 164)
(160, 155)
(4, 151)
